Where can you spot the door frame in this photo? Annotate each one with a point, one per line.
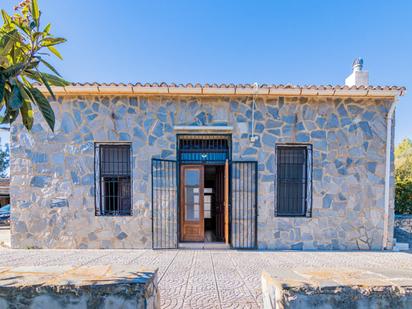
(180, 163)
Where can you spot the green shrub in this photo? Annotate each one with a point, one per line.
(403, 197)
(403, 174)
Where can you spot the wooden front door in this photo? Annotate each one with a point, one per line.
(191, 203)
(222, 203)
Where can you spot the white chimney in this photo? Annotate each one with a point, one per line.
(358, 77)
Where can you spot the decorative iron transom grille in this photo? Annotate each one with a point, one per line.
(113, 171)
(204, 148)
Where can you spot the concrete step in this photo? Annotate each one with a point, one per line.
(401, 246)
(204, 245)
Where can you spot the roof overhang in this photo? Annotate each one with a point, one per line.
(226, 90)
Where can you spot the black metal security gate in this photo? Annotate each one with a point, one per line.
(244, 204)
(164, 204)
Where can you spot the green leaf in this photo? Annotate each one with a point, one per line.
(13, 70)
(26, 83)
(2, 85)
(4, 61)
(55, 80)
(47, 29)
(49, 66)
(35, 11)
(27, 91)
(33, 65)
(7, 41)
(16, 100)
(10, 116)
(23, 92)
(53, 41)
(55, 52)
(46, 83)
(37, 35)
(23, 27)
(44, 106)
(27, 114)
(6, 17)
(33, 25)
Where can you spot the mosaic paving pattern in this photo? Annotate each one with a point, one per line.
(208, 279)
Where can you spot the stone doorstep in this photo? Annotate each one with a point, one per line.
(204, 245)
(301, 283)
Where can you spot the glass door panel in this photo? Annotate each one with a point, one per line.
(192, 200)
(192, 227)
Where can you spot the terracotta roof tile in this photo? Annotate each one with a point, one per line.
(232, 89)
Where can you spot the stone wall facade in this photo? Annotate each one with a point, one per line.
(52, 174)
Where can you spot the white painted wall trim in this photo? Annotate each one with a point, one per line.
(389, 132)
(204, 128)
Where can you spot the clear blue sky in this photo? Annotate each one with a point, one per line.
(299, 42)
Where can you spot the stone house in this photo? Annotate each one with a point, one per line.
(242, 166)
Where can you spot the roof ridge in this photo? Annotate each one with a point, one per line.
(226, 85)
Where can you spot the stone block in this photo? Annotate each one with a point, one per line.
(289, 119)
(122, 235)
(39, 157)
(40, 181)
(327, 201)
(306, 287)
(88, 180)
(321, 134)
(57, 158)
(332, 122)
(66, 287)
(300, 126)
(321, 122)
(371, 167)
(366, 129)
(59, 203)
(302, 138)
(158, 130)
(273, 111)
(269, 140)
(249, 151)
(67, 123)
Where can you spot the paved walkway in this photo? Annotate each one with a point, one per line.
(209, 279)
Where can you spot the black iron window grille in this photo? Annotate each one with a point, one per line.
(293, 169)
(113, 179)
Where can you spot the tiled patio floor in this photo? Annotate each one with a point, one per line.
(209, 279)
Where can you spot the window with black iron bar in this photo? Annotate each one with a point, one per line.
(113, 179)
(293, 180)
